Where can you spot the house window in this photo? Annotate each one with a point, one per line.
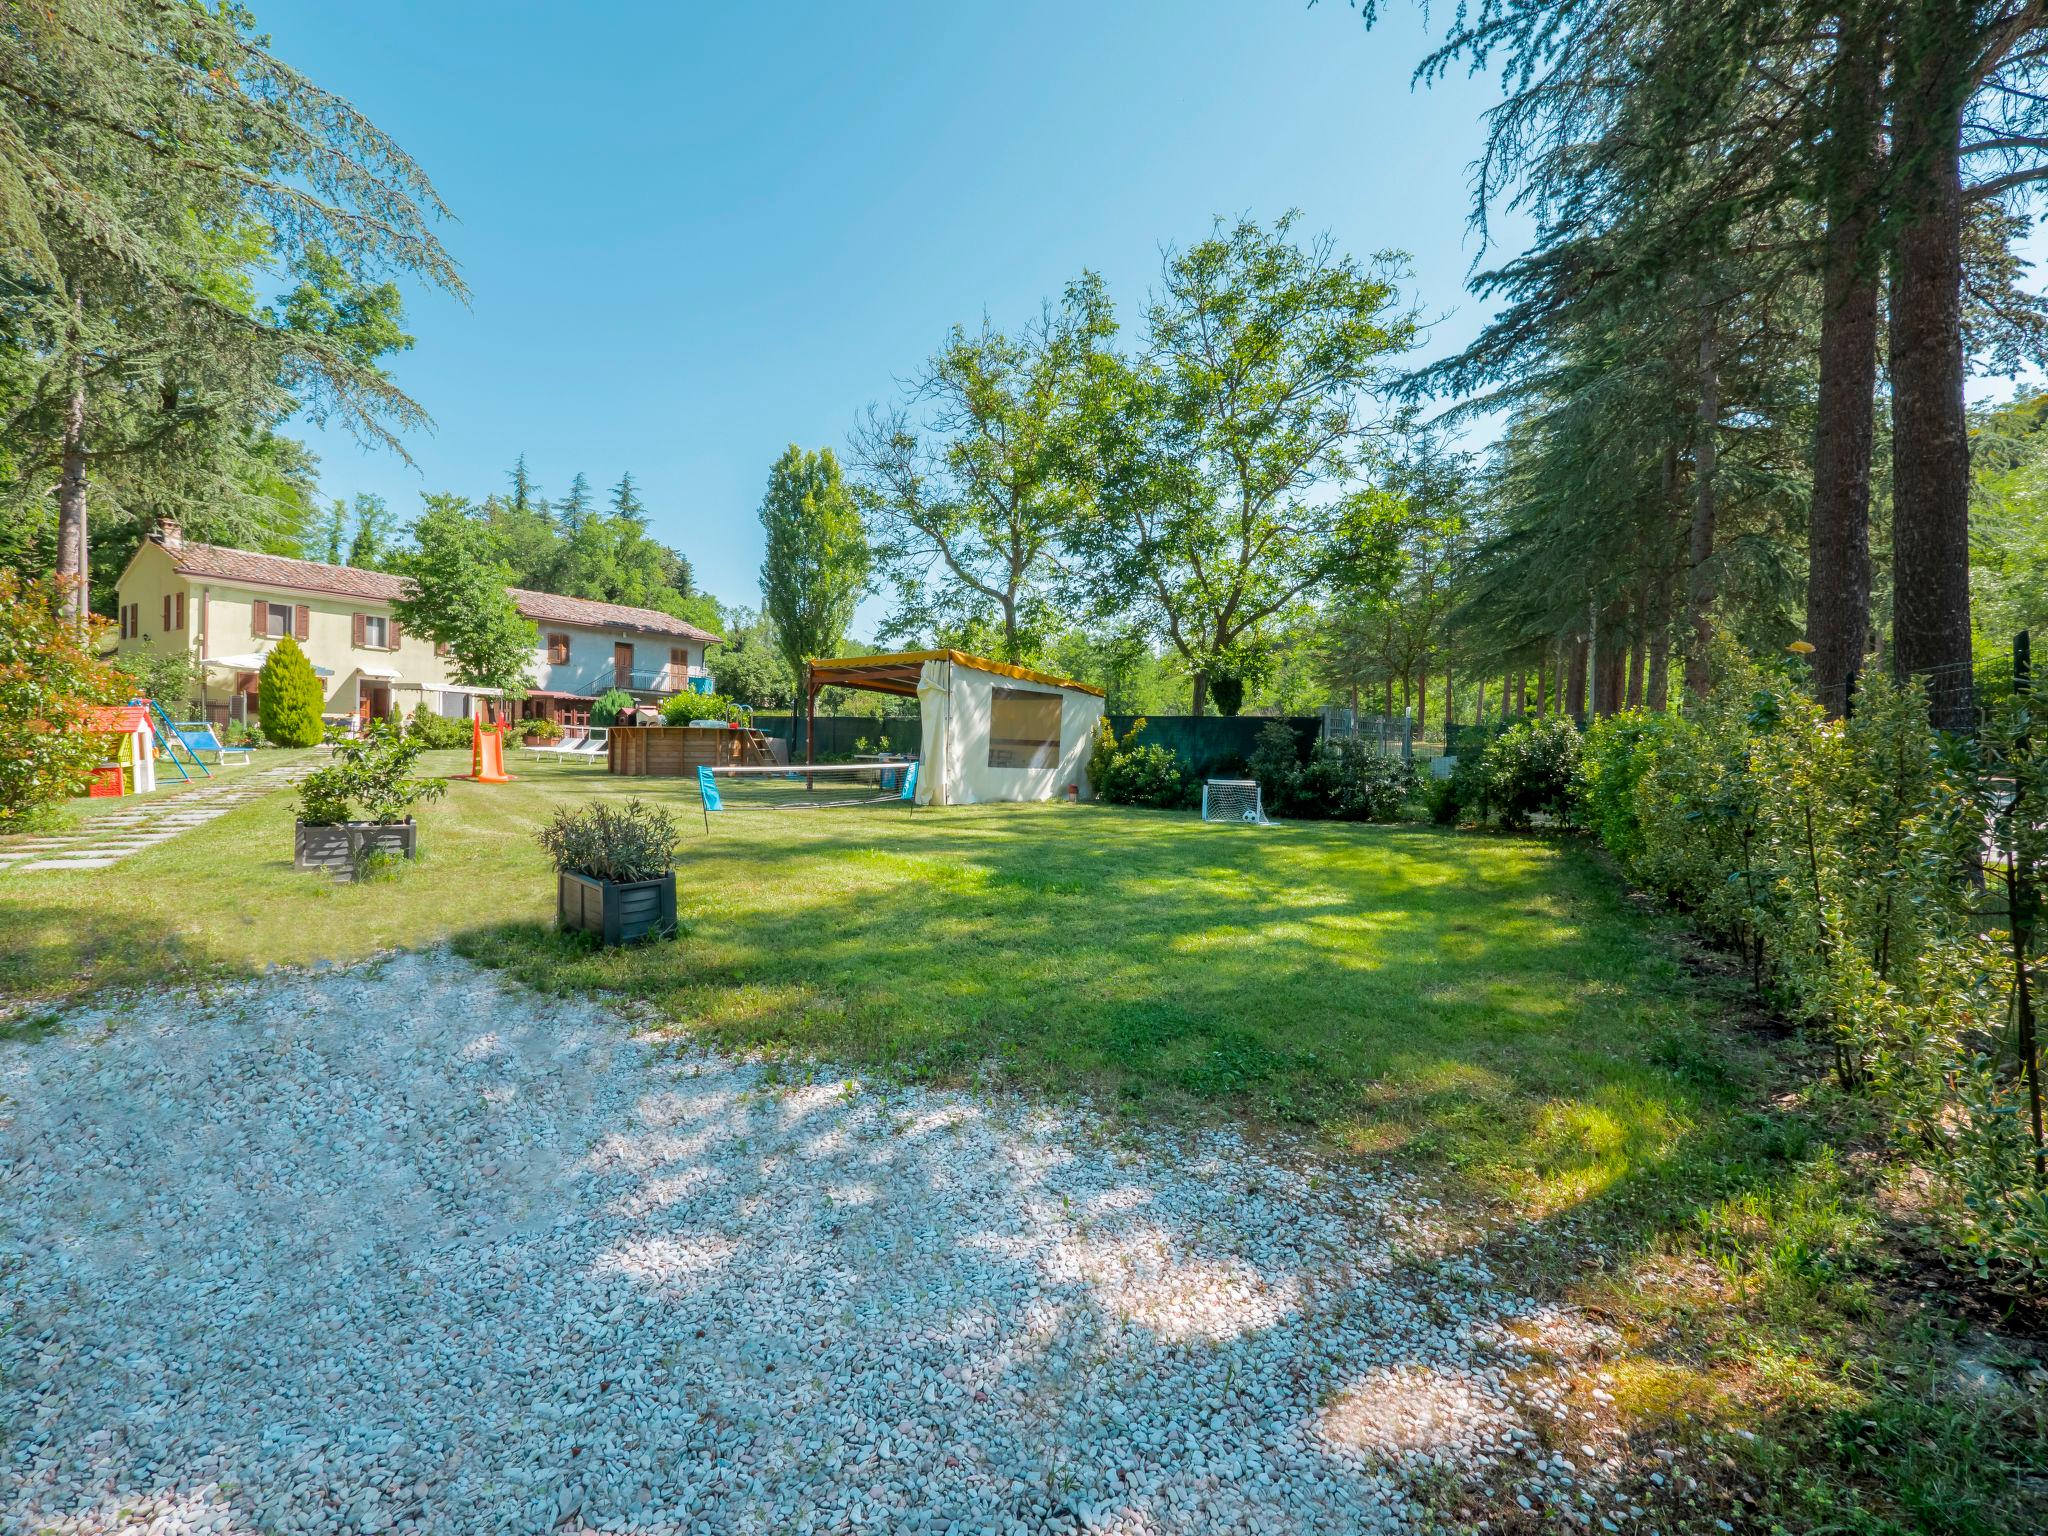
(558, 650)
(277, 620)
(1023, 729)
(376, 632)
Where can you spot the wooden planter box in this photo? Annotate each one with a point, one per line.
(616, 911)
(339, 848)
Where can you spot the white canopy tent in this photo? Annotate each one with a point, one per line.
(991, 731)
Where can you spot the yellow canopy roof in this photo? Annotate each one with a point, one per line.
(897, 671)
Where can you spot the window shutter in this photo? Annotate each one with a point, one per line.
(259, 617)
(302, 622)
(391, 634)
(356, 630)
(181, 610)
(167, 613)
(679, 656)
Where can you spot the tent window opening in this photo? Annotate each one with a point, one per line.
(1023, 729)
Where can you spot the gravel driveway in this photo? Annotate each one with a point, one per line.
(399, 1247)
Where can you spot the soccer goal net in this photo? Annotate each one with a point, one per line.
(1233, 800)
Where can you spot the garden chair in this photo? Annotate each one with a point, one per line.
(198, 736)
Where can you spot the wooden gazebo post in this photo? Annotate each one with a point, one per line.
(810, 719)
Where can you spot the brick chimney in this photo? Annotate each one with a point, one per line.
(169, 534)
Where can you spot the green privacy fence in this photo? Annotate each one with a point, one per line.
(840, 736)
(1215, 746)
(1210, 745)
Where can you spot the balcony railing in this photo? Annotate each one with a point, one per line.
(668, 679)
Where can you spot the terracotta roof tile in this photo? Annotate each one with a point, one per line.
(246, 565)
(551, 608)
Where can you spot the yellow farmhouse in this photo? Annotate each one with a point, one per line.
(227, 608)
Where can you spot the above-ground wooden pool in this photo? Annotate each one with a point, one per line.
(676, 751)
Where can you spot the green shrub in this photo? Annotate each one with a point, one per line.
(1846, 862)
(437, 732)
(601, 841)
(288, 697)
(1613, 759)
(682, 708)
(1351, 780)
(1532, 769)
(373, 775)
(1275, 763)
(609, 705)
(49, 678)
(540, 730)
(1147, 775)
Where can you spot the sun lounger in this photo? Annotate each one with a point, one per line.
(198, 736)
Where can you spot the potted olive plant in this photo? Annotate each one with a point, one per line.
(615, 870)
(360, 804)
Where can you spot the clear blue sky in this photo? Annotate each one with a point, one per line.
(694, 234)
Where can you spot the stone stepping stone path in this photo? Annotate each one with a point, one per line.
(106, 840)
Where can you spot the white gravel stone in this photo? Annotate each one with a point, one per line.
(400, 1248)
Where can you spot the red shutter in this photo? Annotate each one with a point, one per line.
(302, 622)
(391, 634)
(181, 611)
(356, 630)
(259, 618)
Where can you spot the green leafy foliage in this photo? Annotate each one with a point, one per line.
(609, 705)
(1840, 859)
(289, 697)
(1131, 772)
(1343, 780)
(169, 677)
(49, 678)
(816, 565)
(624, 843)
(371, 775)
(682, 708)
(540, 730)
(436, 731)
(1532, 770)
(455, 595)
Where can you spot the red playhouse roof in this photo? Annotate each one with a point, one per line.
(117, 719)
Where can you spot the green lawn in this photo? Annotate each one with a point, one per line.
(1492, 1011)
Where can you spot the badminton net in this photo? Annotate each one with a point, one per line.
(816, 785)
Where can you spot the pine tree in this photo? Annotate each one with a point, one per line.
(288, 697)
(156, 157)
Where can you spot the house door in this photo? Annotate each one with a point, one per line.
(622, 665)
(376, 701)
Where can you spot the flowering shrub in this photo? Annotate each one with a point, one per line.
(49, 678)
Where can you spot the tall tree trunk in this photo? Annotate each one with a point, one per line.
(1635, 673)
(1542, 684)
(74, 554)
(1575, 685)
(1838, 536)
(1699, 596)
(1422, 697)
(1930, 446)
(1450, 699)
(1201, 695)
(1480, 718)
